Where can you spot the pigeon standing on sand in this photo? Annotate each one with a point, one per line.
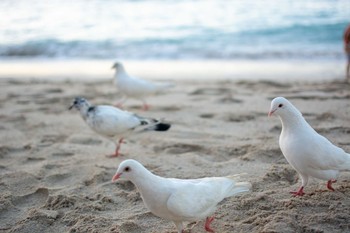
(309, 153)
(113, 123)
(180, 200)
(132, 87)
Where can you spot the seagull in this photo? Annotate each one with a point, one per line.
(309, 153)
(180, 200)
(113, 123)
(136, 88)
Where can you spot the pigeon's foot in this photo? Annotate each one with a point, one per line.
(114, 155)
(300, 192)
(119, 105)
(117, 149)
(329, 184)
(207, 224)
(145, 107)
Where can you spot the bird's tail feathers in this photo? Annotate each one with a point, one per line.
(346, 165)
(240, 187)
(153, 125)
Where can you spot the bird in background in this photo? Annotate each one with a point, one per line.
(136, 88)
(115, 124)
(309, 153)
(180, 200)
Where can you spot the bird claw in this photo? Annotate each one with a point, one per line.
(300, 192)
(119, 105)
(329, 184)
(145, 107)
(207, 224)
(113, 155)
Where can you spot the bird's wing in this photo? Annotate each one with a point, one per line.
(194, 198)
(137, 86)
(111, 121)
(322, 154)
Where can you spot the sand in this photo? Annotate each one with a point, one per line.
(54, 176)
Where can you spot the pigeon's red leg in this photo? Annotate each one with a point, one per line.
(119, 105)
(329, 184)
(116, 154)
(300, 192)
(207, 224)
(145, 106)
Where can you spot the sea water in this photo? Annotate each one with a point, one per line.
(173, 29)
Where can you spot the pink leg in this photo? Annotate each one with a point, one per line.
(300, 192)
(329, 184)
(207, 224)
(116, 154)
(119, 105)
(145, 106)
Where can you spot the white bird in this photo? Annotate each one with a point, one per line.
(113, 123)
(136, 88)
(309, 153)
(180, 200)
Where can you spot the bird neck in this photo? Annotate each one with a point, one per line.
(293, 121)
(146, 182)
(84, 110)
(120, 71)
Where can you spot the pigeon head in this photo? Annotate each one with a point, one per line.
(117, 65)
(280, 106)
(79, 103)
(128, 169)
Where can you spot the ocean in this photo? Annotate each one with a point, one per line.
(173, 29)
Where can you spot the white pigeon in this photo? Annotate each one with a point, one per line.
(180, 200)
(113, 123)
(136, 88)
(309, 153)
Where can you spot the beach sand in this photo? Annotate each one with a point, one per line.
(55, 177)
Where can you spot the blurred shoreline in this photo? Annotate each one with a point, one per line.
(181, 70)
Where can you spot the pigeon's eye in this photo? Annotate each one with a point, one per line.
(75, 102)
(280, 105)
(127, 169)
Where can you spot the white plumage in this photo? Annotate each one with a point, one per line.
(136, 88)
(113, 123)
(309, 153)
(180, 200)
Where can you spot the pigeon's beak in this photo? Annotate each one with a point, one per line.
(116, 176)
(70, 107)
(271, 112)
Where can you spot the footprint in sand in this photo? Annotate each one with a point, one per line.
(6, 150)
(50, 139)
(211, 91)
(35, 199)
(130, 227)
(98, 178)
(207, 115)
(84, 140)
(63, 154)
(237, 118)
(228, 99)
(178, 148)
(59, 202)
(60, 180)
(53, 90)
(281, 173)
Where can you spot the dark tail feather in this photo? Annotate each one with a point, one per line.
(162, 127)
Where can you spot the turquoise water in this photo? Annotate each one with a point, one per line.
(173, 29)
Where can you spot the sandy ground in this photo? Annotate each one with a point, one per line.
(54, 176)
